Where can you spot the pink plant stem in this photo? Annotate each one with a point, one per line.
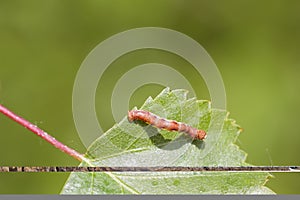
(41, 133)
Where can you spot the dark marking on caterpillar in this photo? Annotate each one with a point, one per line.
(169, 125)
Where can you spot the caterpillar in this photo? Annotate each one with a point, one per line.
(169, 125)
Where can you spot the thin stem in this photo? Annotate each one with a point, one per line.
(295, 169)
(42, 134)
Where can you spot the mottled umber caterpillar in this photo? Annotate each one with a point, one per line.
(165, 124)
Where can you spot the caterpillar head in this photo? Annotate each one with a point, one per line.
(201, 135)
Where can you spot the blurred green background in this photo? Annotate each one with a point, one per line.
(255, 45)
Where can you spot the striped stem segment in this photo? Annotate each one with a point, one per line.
(152, 169)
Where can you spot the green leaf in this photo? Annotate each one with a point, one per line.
(139, 144)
